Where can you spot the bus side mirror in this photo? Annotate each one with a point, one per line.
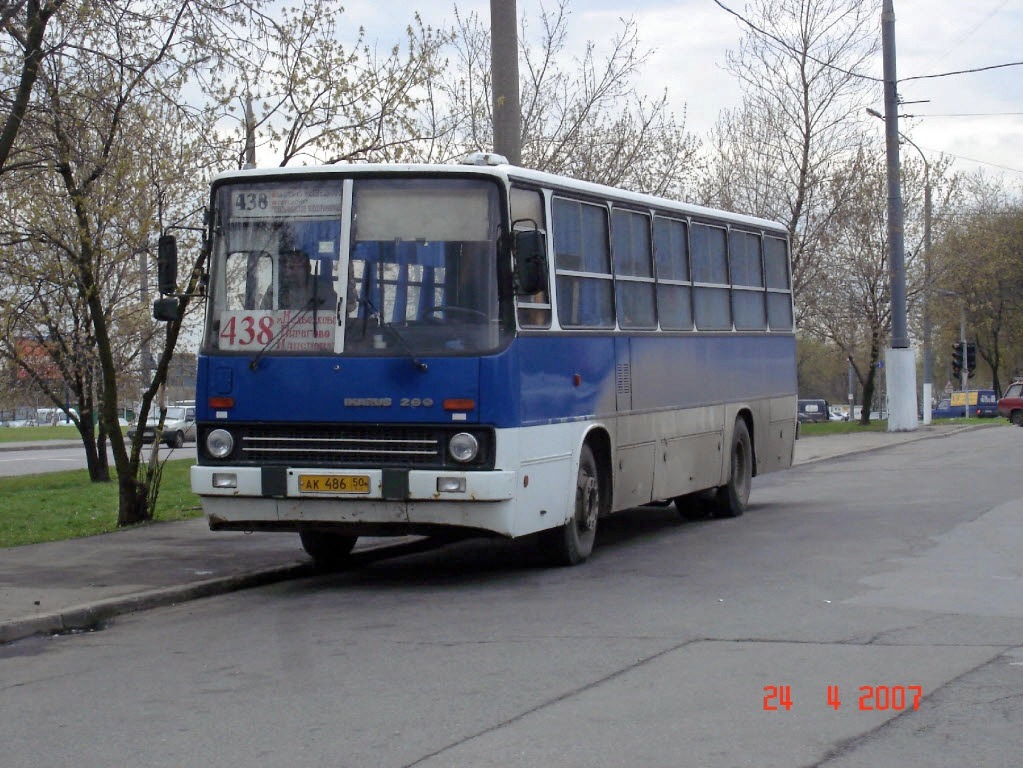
(167, 264)
(530, 262)
(167, 310)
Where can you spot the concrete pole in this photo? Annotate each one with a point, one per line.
(928, 391)
(504, 76)
(900, 364)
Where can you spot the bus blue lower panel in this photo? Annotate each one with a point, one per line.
(536, 380)
(564, 378)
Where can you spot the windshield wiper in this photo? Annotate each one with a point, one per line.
(419, 364)
(309, 305)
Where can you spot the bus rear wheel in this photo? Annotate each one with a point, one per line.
(732, 498)
(328, 550)
(572, 543)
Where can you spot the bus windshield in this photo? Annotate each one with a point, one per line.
(410, 268)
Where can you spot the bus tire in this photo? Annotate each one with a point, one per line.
(732, 498)
(328, 550)
(572, 543)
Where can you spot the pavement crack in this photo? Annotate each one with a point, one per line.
(553, 701)
(846, 748)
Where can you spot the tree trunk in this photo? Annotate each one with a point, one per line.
(133, 506)
(868, 396)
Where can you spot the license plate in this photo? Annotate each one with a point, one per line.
(333, 483)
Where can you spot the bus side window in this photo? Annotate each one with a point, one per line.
(582, 256)
(711, 303)
(776, 272)
(634, 275)
(749, 307)
(674, 293)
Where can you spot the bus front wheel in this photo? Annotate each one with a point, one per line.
(328, 550)
(572, 543)
(732, 498)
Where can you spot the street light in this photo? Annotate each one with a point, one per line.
(928, 357)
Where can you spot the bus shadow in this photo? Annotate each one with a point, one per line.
(438, 561)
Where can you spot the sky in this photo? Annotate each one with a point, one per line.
(976, 119)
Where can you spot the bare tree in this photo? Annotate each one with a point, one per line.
(800, 65)
(593, 123)
(316, 99)
(981, 273)
(852, 306)
(22, 33)
(102, 166)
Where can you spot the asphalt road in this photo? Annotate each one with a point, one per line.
(889, 581)
(37, 461)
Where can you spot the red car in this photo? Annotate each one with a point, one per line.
(1011, 404)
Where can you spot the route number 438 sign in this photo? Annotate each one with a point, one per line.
(252, 330)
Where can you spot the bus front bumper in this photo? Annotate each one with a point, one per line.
(366, 501)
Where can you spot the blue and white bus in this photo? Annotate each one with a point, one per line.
(481, 349)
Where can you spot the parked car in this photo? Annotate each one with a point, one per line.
(983, 402)
(813, 410)
(46, 417)
(1011, 404)
(838, 413)
(178, 427)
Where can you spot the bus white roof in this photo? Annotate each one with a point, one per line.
(505, 172)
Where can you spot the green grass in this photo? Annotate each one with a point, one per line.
(66, 505)
(841, 427)
(30, 434)
(881, 425)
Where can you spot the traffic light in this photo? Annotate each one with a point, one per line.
(971, 358)
(957, 359)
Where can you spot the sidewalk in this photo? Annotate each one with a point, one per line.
(80, 583)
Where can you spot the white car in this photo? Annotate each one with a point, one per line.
(178, 427)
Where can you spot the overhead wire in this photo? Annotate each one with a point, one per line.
(779, 41)
(790, 48)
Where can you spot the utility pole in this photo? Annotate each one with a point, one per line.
(928, 388)
(928, 391)
(900, 365)
(504, 76)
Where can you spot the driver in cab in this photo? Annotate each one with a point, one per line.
(299, 288)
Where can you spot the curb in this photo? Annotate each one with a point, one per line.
(91, 616)
(36, 445)
(911, 436)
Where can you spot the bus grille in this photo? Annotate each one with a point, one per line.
(351, 446)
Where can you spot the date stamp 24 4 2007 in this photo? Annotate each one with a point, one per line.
(871, 698)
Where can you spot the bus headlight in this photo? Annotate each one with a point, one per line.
(219, 443)
(463, 447)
